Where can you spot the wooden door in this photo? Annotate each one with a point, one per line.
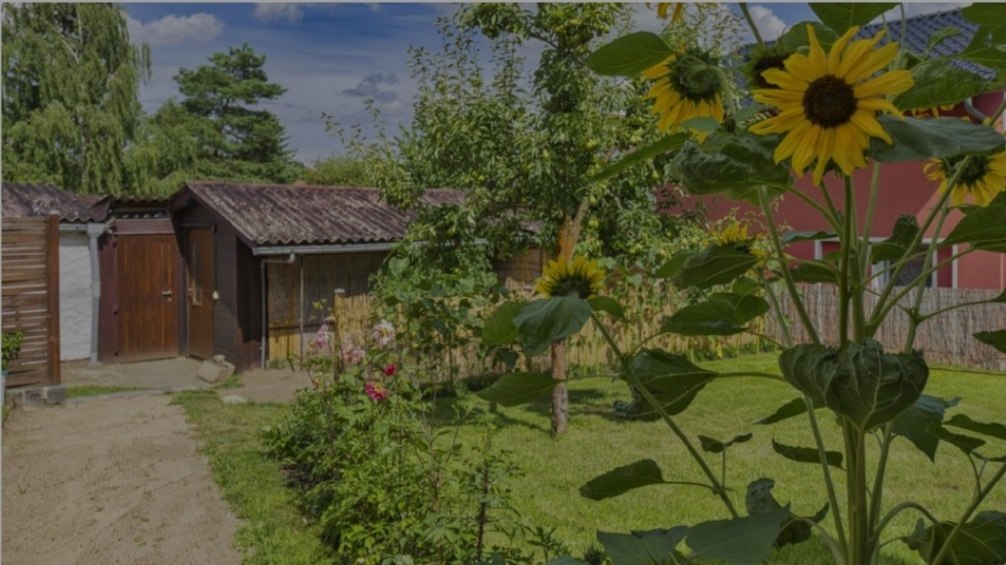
(148, 315)
(201, 284)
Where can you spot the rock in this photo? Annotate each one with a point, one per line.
(234, 399)
(215, 371)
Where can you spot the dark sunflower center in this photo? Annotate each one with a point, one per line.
(695, 79)
(764, 63)
(829, 102)
(973, 173)
(572, 284)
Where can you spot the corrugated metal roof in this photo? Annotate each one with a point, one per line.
(309, 215)
(32, 200)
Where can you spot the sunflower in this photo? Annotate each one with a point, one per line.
(828, 104)
(676, 15)
(686, 86)
(576, 276)
(983, 179)
(763, 59)
(735, 234)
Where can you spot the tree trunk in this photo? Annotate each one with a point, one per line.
(560, 397)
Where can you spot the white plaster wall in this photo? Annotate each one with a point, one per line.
(74, 296)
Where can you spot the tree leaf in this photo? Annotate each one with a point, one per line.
(499, 328)
(983, 227)
(713, 265)
(659, 147)
(893, 248)
(807, 454)
(841, 16)
(629, 55)
(759, 500)
(608, 305)
(792, 408)
(621, 480)
(672, 379)
(796, 36)
(542, 322)
(967, 444)
(939, 82)
(722, 313)
(728, 161)
(654, 547)
(982, 541)
(513, 389)
(913, 423)
(711, 445)
(996, 339)
(964, 422)
(740, 541)
(858, 380)
(920, 140)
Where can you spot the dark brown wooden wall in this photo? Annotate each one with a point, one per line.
(30, 256)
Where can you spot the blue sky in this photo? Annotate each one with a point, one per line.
(333, 56)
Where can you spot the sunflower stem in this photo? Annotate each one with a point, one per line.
(751, 24)
(846, 238)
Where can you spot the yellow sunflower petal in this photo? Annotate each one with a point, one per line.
(838, 48)
(876, 60)
(891, 82)
(867, 121)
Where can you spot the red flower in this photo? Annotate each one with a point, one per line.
(376, 391)
(390, 370)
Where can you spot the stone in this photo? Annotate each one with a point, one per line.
(234, 399)
(209, 372)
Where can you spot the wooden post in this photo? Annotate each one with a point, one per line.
(338, 310)
(52, 293)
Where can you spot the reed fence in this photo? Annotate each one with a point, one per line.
(946, 338)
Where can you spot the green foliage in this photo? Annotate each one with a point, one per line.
(917, 139)
(742, 541)
(513, 389)
(940, 82)
(621, 480)
(807, 454)
(722, 313)
(996, 339)
(11, 346)
(629, 55)
(339, 170)
(841, 16)
(715, 265)
(913, 424)
(981, 541)
(70, 95)
(984, 228)
(542, 322)
(654, 547)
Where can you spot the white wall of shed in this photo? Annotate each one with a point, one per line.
(74, 296)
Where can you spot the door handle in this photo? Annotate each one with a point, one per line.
(165, 293)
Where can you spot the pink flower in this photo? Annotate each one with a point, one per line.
(351, 354)
(390, 370)
(376, 391)
(320, 340)
(383, 333)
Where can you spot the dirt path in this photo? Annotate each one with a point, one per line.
(110, 481)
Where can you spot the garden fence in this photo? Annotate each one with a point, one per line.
(946, 338)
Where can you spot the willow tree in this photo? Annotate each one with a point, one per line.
(70, 94)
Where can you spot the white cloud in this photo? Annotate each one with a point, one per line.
(175, 30)
(274, 12)
(913, 9)
(769, 25)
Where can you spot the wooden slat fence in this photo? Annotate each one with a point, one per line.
(947, 338)
(30, 292)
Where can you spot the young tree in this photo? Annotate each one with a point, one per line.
(224, 134)
(70, 94)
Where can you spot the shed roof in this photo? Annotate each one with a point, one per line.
(268, 215)
(32, 200)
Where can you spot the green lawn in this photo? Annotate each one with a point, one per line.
(78, 391)
(554, 469)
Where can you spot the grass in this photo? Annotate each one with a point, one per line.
(94, 390)
(596, 442)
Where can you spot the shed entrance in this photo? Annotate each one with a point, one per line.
(147, 267)
(201, 283)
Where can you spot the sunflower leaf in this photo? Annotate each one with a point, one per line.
(964, 422)
(913, 423)
(933, 138)
(740, 541)
(905, 229)
(814, 271)
(841, 16)
(711, 445)
(499, 328)
(807, 454)
(714, 265)
(654, 547)
(672, 379)
(996, 339)
(608, 305)
(789, 410)
(621, 480)
(514, 389)
(722, 313)
(796, 37)
(797, 236)
(940, 82)
(629, 55)
(728, 162)
(542, 322)
(982, 541)
(983, 227)
(988, 46)
(661, 146)
(759, 500)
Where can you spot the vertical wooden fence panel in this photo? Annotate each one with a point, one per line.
(30, 255)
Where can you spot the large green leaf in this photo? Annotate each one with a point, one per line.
(796, 37)
(840, 16)
(988, 46)
(964, 422)
(858, 380)
(893, 248)
(795, 236)
(499, 328)
(792, 408)
(714, 265)
(913, 423)
(722, 313)
(615, 482)
(814, 271)
(673, 265)
(939, 82)
(542, 322)
(513, 389)
(920, 140)
(629, 55)
(966, 444)
(710, 445)
(659, 147)
(982, 541)
(608, 305)
(996, 339)
(759, 500)
(740, 541)
(655, 547)
(983, 227)
(728, 161)
(672, 379)
(807, 454)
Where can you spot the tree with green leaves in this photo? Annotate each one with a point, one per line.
(217, 130)
(70, 94)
